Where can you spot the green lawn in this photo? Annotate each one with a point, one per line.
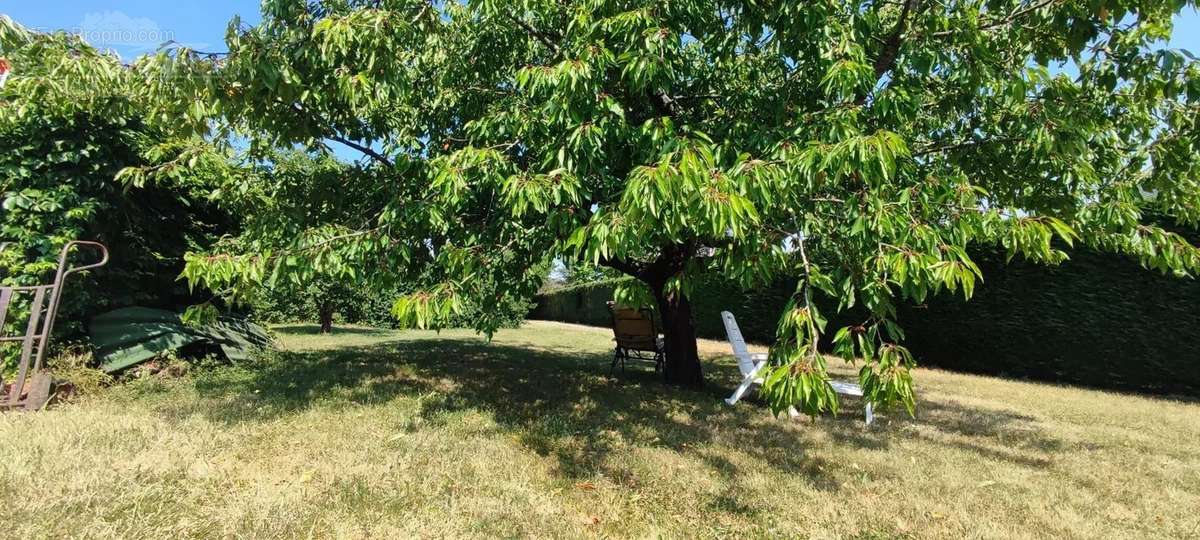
(395, 434)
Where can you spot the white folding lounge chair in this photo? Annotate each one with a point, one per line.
(750, 363)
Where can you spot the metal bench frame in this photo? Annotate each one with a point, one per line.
(645, 345)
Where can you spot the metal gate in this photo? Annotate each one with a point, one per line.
(31, 388)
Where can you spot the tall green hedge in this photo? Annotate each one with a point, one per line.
(1098, 320)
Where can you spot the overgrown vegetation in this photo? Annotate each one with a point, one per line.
(323, 300)
(374, 433)
(69, 122)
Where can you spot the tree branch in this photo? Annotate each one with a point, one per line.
(622, 265)
(933, 149)
(670, 261)
(366, 150)
(539, 35)
(891, 47)
(321, 123)
(1003, 21)
(814, 333)
(661, 101)
(663, 104)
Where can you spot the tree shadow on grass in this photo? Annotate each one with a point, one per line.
(996, 434)
(565, 404)
(313, 329)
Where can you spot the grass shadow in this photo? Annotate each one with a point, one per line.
(566, 404)
(993, 433)
(301, 329)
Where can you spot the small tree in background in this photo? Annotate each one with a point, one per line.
(585, 272)
(860, 145)
(318, 300)
(278, 196)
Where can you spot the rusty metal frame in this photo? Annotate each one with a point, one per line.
(31, 388)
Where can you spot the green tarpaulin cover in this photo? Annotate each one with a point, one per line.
(129, 336)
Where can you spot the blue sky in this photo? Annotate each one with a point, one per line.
(133, 27)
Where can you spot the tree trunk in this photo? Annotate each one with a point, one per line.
(683, 361)
(325, 312)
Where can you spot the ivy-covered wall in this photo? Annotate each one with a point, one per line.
(1097, 320)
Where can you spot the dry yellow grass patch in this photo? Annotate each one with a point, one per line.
(372, 433)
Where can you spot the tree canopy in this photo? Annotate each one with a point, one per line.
(860, 145)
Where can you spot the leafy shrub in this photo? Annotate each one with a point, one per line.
(1097, 319)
